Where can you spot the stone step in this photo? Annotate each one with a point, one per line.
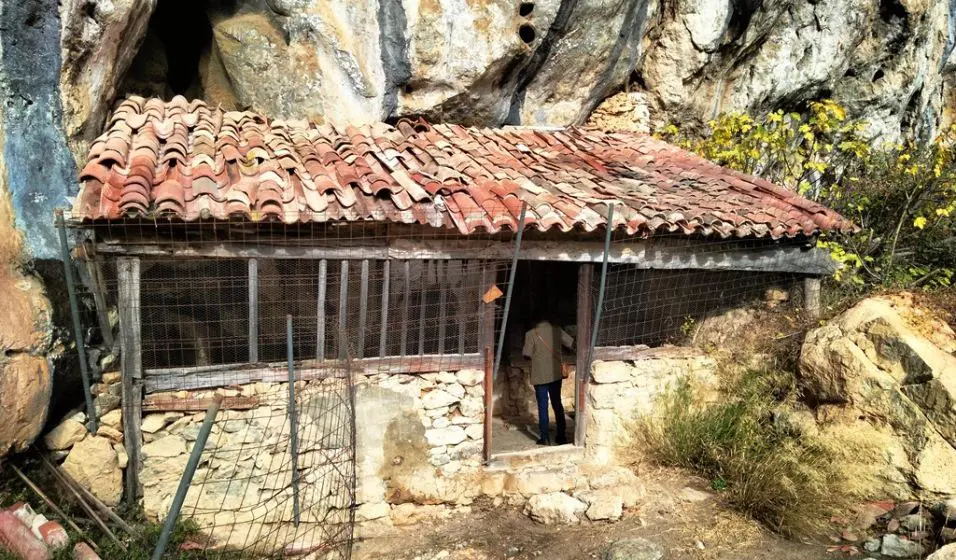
(542, 456)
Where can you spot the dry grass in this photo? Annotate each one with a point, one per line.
(785, 481)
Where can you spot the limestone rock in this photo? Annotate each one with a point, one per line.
(890, 363)
(470, 377)
(65, 435)
(554, 508)
(947, 552)
(610, 372)
(438, 398)
(603, 504)
(633, 549)
(167, 446)
(895, 546)
(113, 419)
(625, 111)
(450, 435)
(94, 464)
(25, 386)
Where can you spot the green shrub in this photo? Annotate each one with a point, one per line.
(902, 196)
(783, 479)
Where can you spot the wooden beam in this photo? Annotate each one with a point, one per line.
(441, 275)
(164, 403)
(343, 309)
(406, 267)
(131, 364)
(469, 273)
(320, 310)
(585, 315)
(253, 310)
(619, 353)
(238, 374)
(666, 253)
(811, 297)
(423, 285)
(383, 326)
(486, 328)
(363, 309)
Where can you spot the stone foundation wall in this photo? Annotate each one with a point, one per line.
(514, 395)
(622, 391)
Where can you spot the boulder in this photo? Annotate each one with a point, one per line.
(633, 549)
(554, 508)
(94, 465)
(896, 546)
(113, 419)
(882, 375)
(65, 435)
(948, 552)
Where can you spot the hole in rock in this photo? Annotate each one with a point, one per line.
(525, 9)
(527, 33)
(878, 75)
(850, 73)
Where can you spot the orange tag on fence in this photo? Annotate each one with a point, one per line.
(492, 294)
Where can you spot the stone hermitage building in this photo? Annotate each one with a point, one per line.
(373, 264)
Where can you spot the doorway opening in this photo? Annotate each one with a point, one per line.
(542, 290)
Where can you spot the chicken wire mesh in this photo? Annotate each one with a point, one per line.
(211, 308)
(214, 325)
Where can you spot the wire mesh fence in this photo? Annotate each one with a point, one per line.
(205, 306)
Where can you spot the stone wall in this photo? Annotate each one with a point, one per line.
(622, 391)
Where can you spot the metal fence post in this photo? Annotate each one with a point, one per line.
(293, 424)
(77, 325)
(600, 301)
(187, 479)
(511, 284)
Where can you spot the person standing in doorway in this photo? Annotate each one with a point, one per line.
(543, 344)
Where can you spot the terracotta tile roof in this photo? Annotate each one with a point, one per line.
(189, 161)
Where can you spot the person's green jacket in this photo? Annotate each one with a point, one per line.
(543, 345)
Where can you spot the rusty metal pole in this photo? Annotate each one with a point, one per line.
(511, 284)
(77, 325)
(489, 403)
(293, 423)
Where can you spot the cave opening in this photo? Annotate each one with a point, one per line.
(172, 55)
(878, 75)
(525, 9)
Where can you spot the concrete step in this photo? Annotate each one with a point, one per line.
(550, 457)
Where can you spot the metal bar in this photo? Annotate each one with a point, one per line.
(600, 301)
(468, 272)
(77, 324)
(186, 480)
(293, 423)
(489, 403)
(405, 305)
(584, 314)
(343, 310)
(441, 270)
(511, 285)
(131, 363)
(363, 308)
(253, 310)
(320, 310)
(383, 327)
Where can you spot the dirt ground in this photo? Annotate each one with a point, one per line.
(685, 521)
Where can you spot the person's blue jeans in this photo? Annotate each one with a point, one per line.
(542, 393)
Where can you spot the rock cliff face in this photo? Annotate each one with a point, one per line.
(490, 62)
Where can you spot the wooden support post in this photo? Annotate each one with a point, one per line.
(383, 327)
(486, 328)
(363, 308)
(320, 310)
(584, 317)
(343, 309)
(811, 297)
(441, 269)
(463, 304)
(423, 285)
(253, 311)
(406, 267)
(131, 357)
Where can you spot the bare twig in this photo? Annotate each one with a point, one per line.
(89, 509)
